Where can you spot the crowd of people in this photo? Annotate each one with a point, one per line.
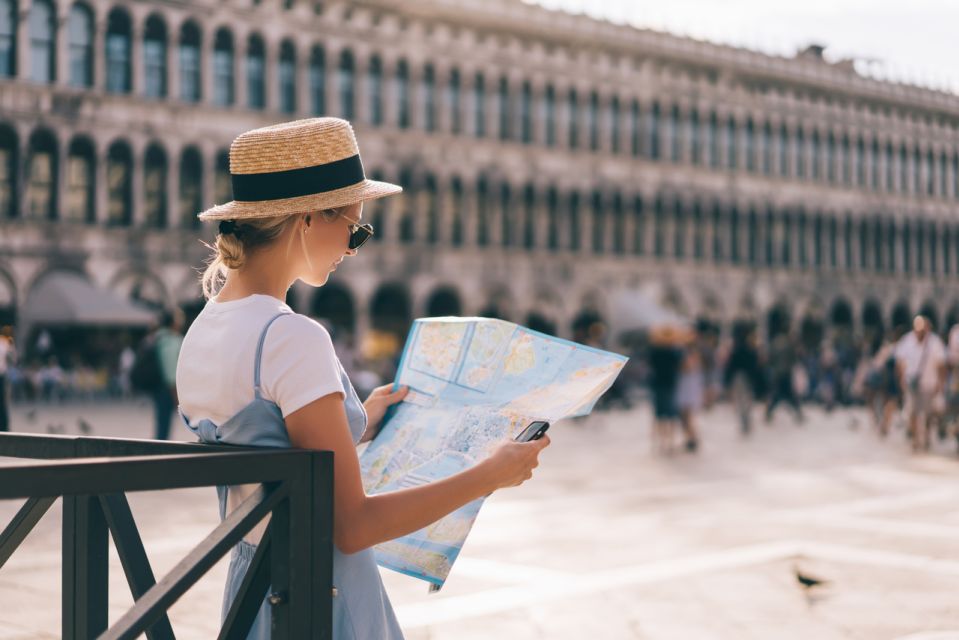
(907, 376)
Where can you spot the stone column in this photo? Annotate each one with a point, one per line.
(207, 40)
(101, 198)
(22, 28)
(173, 64)
(137, 167)
(175, 217)
(240, 64)
(136, 59)
(361, 101)
(62, 48)
(304, 103)
(271, 76)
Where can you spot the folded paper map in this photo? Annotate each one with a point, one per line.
(473, 383)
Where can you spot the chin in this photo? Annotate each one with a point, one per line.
(318, 281)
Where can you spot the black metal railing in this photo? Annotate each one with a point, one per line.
(294, 560)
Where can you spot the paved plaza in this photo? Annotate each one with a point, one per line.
(609, 541)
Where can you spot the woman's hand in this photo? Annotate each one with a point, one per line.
(381, 399)
(512, 463)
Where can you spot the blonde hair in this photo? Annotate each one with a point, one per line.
(231, 250)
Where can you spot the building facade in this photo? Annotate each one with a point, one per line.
(553, 165)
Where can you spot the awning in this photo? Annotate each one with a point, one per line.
(633, 310)
(68, 299)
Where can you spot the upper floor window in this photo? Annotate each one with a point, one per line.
(191, 187)
(526, 114)
(118, 52)
(42, 44)
(8, 38)
(711, 140)
(673, 139)
(729, 140)
(454, 104)
(593, 120)
(479, 106)
(80, 28)
(154, 187)
(255, 72)
(374, 90)
(652, 132)
(79, 205)
(346, 84)
(402, 94)
(766, 149)
(190, 62)
(549, 115)
(572, 114)
(287, 77)
(41, 176)
(614, 129)
(695, 146)
(154, 58)
(815, 157)
(428, 97)
(317, 81)
(505, 109)
(119, 185)
(223, 68)
(635, 134)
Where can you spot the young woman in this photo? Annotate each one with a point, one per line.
(252, 372)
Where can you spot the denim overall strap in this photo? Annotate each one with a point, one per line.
(259, 354)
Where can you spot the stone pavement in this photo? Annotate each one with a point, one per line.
(609, 541)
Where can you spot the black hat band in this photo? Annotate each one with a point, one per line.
(278, 185)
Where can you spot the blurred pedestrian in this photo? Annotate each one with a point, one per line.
(7, 360)
(665, 359)
(160, 353)
(921, 367)
(690, 393)
(743, 375)
(783, 361)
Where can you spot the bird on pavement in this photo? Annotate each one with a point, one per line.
(84, 426)
(807, 581)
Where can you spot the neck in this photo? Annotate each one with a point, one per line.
(256, 277)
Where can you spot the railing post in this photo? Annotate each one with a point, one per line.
(321, 543)
(85, 586)
(280, 567)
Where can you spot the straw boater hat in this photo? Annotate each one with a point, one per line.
(296, 167)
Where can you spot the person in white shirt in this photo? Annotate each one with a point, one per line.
(921, 366)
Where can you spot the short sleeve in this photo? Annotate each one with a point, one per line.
(299, 364)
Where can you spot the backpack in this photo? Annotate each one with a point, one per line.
(145, 375)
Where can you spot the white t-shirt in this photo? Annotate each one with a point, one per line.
(214, 374)
(909, 351)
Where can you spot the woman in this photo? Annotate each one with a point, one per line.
(252, 372)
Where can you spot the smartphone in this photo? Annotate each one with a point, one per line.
(534, 431)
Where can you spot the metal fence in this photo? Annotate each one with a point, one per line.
(294, 560)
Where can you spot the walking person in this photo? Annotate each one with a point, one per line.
(252, 372)
(921, 368)
(743, 375)
(166, 345)
(783, 361)
(7, 359)
(665, 359)
(690, 392)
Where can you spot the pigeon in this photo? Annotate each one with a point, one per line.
(807, 581)
(84, 426)
(32, 416)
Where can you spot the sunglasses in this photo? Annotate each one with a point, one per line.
(359, 234)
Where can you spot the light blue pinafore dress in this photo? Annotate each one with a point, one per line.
(361, 608)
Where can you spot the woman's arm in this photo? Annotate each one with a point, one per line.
(361, 521)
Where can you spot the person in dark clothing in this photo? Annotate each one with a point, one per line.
(782, 359)
(743, 377)
(665, 357)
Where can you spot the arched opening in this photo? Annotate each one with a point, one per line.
(119, 66)
(9, 167)
(80, 29)
(154, 187)
(901, 316)
(255, 72)
(589, 327)
(191, 187)
(155, 58)
(390, 310)
(539, 322)
(841, 313)
(190, 62)
(80, 181)
(223, 93)
(332, 304)
(499, 305)
(119, 185)
(872, 322)
(812, 330)
(444, 301)
(143, 288)
(41, 176)
(931, 312)
(287, 77)
(8, 301)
